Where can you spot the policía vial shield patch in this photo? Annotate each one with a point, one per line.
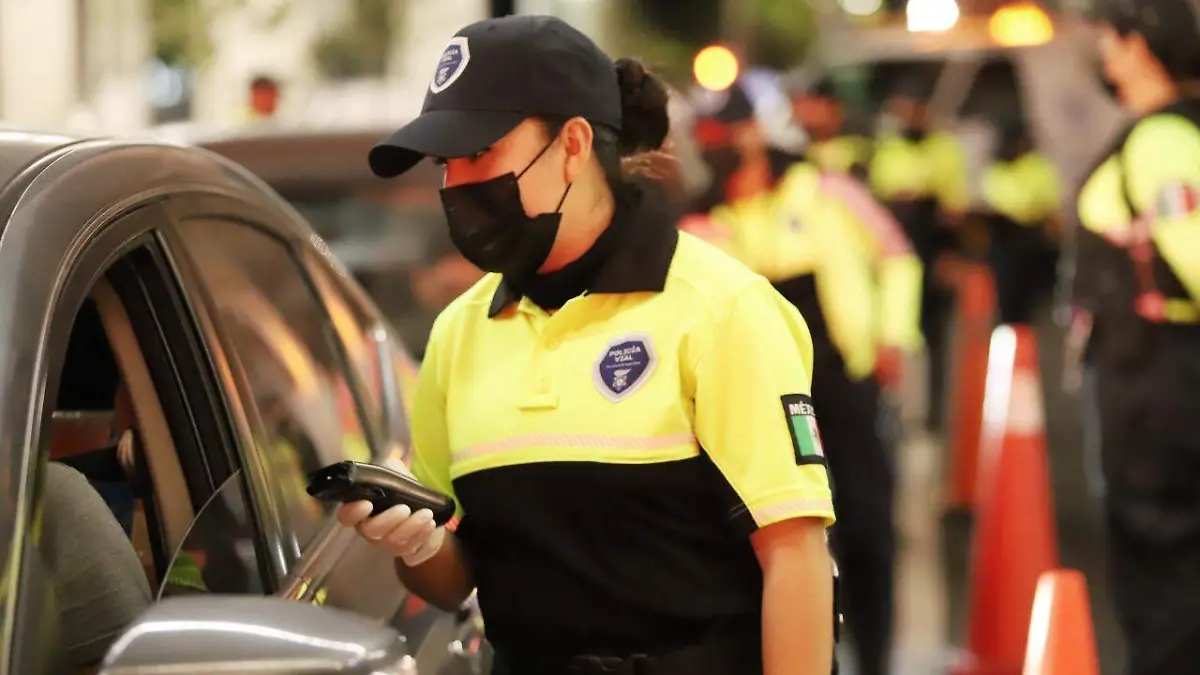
(802, 425)
(624, 366)
(451, 65)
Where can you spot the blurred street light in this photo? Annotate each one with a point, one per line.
(715, 67)
(931, 16)
(860, 7)
(1022, 24)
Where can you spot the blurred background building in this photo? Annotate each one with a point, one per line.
(120, 64)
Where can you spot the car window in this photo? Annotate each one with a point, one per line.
(116, 496)
(92, 527)
(383, 365)
(395, 242)
(996, 93)
(278, 332)
(218, 554)
(866, 87)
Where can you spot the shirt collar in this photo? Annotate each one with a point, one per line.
(639, 264)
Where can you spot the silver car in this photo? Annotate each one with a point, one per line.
(178, 349)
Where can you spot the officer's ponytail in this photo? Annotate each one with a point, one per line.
(644, 120)
(637, 149)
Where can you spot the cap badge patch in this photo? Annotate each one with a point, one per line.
(455, 58)
(624, 366)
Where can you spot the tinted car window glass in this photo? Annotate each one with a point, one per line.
(279, 333)
(395, 242)
(375, 354)
(866, 87)
(218, 554)
(996, 94)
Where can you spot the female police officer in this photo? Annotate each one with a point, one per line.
(620, 411)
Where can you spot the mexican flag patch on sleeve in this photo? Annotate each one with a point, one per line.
(1176, 200)
(802, 425)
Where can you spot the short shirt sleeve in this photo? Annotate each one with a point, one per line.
(1162, 166)
(431, 444)
(754, 415)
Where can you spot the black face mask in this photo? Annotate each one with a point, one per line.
(489, 226)
(914, 133)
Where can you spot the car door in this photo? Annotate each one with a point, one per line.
(290, 371)
(291, 322)
(95, 323)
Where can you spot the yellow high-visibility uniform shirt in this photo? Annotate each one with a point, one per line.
(1145, 199)
(931, 168)
(610, 459)
(841, 153)
(867, 279)
(1026, 190)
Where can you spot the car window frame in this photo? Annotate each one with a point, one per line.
(271, 216)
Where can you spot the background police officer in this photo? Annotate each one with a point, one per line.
(839, 257)
(834, 146)
(1137, 281)
(919, 172)
(1022, 193)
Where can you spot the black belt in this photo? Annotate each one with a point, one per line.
(732, 655)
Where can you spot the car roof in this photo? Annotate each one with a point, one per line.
(294, 159)
(20, 147)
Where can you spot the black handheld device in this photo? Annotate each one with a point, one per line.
(384, 488)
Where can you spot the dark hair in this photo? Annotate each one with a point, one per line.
(264, 82)
(637, 147)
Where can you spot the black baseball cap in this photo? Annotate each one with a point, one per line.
(492, 75)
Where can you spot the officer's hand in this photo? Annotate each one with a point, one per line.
(412, 537)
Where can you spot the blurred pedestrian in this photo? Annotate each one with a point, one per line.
(1022, 193)
(834, 146)
(263, 98)
(826, 246)
(919, 172)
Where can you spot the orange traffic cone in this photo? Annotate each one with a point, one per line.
(1014, 539)
(1061, 638)
(976, 312)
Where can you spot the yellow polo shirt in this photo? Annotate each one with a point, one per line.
(610, 459)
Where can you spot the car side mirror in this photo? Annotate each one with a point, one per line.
(195, 635)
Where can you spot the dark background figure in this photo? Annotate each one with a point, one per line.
(917, 171)
(1021, 190)
(738, 145)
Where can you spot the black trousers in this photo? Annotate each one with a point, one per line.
(937, 309)
(931, 240)
(1150, 450)
(1023, 264)
(864, 540)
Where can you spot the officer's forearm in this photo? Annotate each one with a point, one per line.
(797, 598)
(445, 580)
